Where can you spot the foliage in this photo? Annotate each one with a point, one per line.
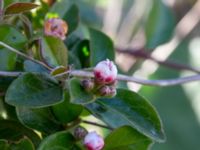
(47, 107)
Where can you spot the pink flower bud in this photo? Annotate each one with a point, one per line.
(105, 72)
(80, 132)
(87, 84)
(55, 27)
(93, 141)
(107, 91)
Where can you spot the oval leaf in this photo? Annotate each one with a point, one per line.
(14, 131)
(72, 18)
(66, 112)
(78, 94)
(14, 38)
(34, 90)
(24, 143)
(39, 119)
(54, 51)
(59, 141)
(101, 47)
(16, 8)
(126, 138)
(160, 25)
(4, 144)
(30, 66)
(129, 108)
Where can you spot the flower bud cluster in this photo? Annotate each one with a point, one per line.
(91, 140)
(103, 84)
(55, 27)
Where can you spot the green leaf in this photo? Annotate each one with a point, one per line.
(59, 141)
(81, 50)
(16, 8)
(66, 112)
(34, 90)
(4, 144)
(160, 24)
(30, 66)
(129, 108)
(74, 61)
(54, 51)
(101, 47)
(14, 38)
(24, 143)
(39, 119)
(72, 18)
(126, 138)
(13, 131)
(78, 94)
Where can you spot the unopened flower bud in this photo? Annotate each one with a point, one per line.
(105, 72)
(113, 92)
(104, 90)
(80, 133)
(55, 27)
(87, 84)
(93, 141)
(107, 91)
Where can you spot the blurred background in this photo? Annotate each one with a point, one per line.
(154, 39)
(157, 39)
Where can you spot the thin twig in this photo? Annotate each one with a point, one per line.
(97, 124)
(10, 74)
(141, 53)
(81, 73)
(87, 74)
(167, 82)
(24, 55)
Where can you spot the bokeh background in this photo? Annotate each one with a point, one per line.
(157, 39)
(154, 39)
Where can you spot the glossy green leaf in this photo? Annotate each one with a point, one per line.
(39, 119)
(14, 38)
(5, 82)
(66, 112)
(59, 141)
(78, 94)
(74, 60)
(129, 108)
(54, 51)
(14, 131)
(16, 8)
(82, 52)
(160, 24)
(4, 144)
(34, 90)
(30, 66)
(72, 18)
(126, 138)
(101, 47)
(22, 144)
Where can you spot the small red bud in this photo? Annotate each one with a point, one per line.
(104, 90)
(113, 91)
(107, 91)
(55, 27)
(93, 141)
(87, 84)
(80, 133)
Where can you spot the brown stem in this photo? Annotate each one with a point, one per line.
(24, 55)
(141, 53)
